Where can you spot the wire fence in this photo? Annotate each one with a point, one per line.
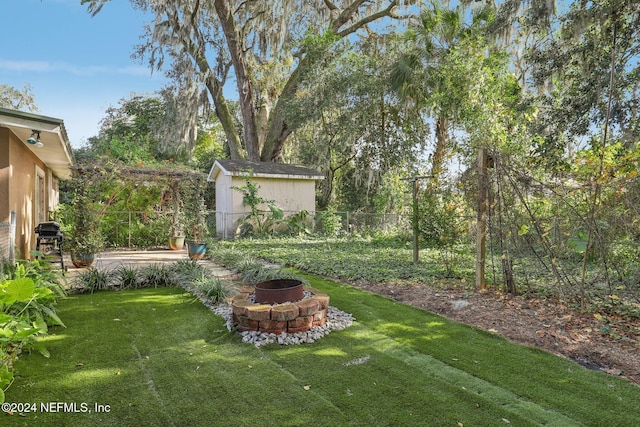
(151, 228)
(228, 225)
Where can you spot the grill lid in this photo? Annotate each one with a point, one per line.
(48, 228)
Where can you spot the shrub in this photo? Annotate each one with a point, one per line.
(158, 275)
(330, 223)
(212, 289)
(186, 269)
(128, 277)
(92, 279)
(28, 295)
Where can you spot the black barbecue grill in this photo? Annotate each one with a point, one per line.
(49, 241)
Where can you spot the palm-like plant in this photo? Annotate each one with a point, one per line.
(420, 76)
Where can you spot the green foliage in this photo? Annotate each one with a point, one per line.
(93, 279)
(132, 207)
(441, 219)
(128, 131)
(257, 222)
(442, 225)
(182, 273)
(81, 217)
(349, 258)
(298, 224)
(187, 269)
(195, 208)
(351, 128)
(212, 288)
(577, 61)
(250, 269)
(330, 223)
(28, 297)
(228, 256)
(209, 146)
(157, 275)
(127, 277)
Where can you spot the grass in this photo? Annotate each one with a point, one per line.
(157, 358)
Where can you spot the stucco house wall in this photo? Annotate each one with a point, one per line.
(292, 188)
(28, 185)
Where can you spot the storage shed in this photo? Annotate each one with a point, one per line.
(292, 188)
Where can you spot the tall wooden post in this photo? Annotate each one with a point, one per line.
(481, 237)
(416, 249)
(416, 215)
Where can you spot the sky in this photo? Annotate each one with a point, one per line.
(77, 65)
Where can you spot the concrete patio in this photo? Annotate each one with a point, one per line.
(110, 260)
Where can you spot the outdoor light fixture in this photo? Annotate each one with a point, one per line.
(34, 139)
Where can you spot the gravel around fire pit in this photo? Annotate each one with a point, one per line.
(337, 320)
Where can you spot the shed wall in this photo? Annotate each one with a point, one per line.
(290, 195)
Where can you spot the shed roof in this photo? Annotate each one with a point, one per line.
(261, 170)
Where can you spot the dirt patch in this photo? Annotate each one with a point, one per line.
(607, 344)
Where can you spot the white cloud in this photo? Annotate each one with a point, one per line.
(87, 70)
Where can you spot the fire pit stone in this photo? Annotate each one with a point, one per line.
(287, 316)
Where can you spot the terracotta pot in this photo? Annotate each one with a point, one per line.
(196, 250)
(176, 243)
(82, 260)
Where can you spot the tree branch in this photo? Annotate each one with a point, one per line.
(346, 15)
(368, 19)
(330, 5)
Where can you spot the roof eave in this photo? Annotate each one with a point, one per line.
(22, 123)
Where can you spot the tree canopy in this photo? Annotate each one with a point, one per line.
(18, 99)
(259, 42)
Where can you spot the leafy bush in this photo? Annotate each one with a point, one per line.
(298, 223)
(128, 277)
(157, 275)
(186, 269)
(212, 288)
(330, 222)
(28, 294)
(227, 257)
(92, 279)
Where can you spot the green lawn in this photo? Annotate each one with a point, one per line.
(156, 357)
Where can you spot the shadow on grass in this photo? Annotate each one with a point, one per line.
(156, 357)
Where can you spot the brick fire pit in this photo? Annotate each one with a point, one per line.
(290, 316)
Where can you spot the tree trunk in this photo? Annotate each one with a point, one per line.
(327, 189)
(481, 237)
(226, 119)
(442, 137)
(196, 50)
(277, 130)
(245, 87)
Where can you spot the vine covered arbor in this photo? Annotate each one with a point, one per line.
(117, 205)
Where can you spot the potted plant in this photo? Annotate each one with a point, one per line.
(176, 237)
(81, 221)
(83, 238)
(196, 214)
(83, 247)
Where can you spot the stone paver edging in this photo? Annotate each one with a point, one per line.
(290, 317)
